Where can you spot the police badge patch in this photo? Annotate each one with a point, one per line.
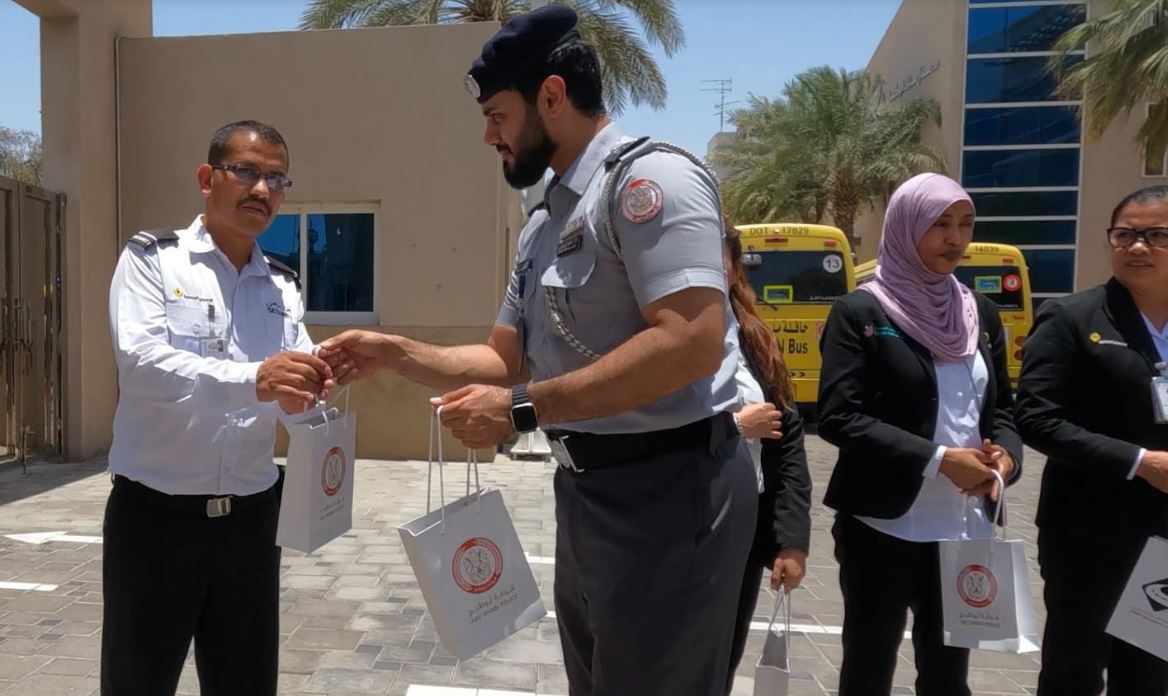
(472, 86)
(641, 200)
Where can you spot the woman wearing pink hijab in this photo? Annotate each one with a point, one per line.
(915, 394)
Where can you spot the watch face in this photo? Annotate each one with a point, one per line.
(523, 418)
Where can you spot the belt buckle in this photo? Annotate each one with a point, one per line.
(563, 457)
(219, 507)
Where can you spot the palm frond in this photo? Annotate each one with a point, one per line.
(1126, 67)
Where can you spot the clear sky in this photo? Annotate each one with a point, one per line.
(759, 44)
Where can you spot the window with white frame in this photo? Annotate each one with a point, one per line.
(332, 248)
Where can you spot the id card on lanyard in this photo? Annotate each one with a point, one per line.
(1160, 393)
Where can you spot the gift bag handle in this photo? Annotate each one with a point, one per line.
(781, 600)
(1001, 504)
(344, 390)
(436, 428)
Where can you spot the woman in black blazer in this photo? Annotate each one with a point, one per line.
(1085, 400)
(783, 531)
(915, 394)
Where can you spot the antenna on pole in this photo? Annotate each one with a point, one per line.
(723, 88)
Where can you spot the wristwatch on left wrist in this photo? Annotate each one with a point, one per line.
(523, 415)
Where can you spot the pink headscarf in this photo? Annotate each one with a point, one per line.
(935, 309)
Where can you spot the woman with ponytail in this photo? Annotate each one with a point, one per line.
(774, 432)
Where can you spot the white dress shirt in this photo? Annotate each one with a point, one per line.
(941, 510)
(188, 419)
(749, 392)
(1160, 339)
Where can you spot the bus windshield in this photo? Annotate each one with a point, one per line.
(1002, 284)
(796, 277)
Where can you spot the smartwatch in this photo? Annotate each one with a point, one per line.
(523, 415)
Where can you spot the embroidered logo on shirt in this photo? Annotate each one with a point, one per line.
(888, 332)
(278, 309)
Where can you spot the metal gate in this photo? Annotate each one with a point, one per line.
(31, 219)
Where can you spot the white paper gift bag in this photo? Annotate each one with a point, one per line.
(317, 502)
(985, 592)
(466, 555)
(772, 674)
(1141, 617)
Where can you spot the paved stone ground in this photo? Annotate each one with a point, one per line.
(353, 617)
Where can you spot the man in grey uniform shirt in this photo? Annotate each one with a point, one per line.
(616, 337)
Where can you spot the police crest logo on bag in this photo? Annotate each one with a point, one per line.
(332, 473)
(477, 565)
(1157, 593)
(977, 586)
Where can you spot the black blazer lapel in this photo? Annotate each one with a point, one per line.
(1121, 309)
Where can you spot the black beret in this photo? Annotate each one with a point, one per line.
(522, 41)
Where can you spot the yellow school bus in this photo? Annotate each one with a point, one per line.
(999, 272)
(797, 271)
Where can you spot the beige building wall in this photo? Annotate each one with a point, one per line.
(371, 116)
(79, 132)
(926, 36)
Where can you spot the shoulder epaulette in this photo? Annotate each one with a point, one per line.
(148, 238)
(284, 268)
(621, 150)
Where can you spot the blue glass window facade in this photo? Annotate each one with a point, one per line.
(1025, 232)
(1025, 203)
(1027, 28)
(1016, 168)
(1022, 126)
(1012, 79)
(1026, 191)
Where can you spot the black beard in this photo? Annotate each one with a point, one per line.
(533, 155)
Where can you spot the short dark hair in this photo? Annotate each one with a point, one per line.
(1148, 194)
(576, 62)
(221, 141)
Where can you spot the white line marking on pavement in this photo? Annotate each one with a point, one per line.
(795, 628)
(27, 586)
(423, 690)
(43, 537)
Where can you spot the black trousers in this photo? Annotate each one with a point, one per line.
(1084, 575)
(170, 573)
(883, 577)
(649, 563)
(756, 565)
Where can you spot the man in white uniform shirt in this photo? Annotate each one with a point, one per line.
(210, 350)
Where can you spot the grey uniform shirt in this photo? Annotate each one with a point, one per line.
(564, 250)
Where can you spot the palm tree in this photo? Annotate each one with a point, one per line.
(829, 146)
(1126, 67)
(631, 76)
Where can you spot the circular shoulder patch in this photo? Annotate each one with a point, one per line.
(641, 200)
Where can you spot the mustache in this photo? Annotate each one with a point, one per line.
(257, 201)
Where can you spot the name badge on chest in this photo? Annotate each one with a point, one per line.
(1160, 393)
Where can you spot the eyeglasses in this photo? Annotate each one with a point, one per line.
(250, 176)
(1123, 237)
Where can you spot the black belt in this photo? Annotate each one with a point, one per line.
(197, 505)
(584, 451)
